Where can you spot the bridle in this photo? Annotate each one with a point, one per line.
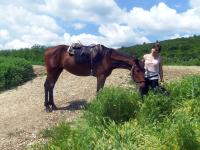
(132, 76)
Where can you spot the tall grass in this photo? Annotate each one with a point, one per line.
(115, 104)
(118, 119)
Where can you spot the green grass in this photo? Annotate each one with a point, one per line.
(115, 104)
(119, 119)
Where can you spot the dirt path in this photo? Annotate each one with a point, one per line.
(22, 115)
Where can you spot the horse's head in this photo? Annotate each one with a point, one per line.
(137, 74)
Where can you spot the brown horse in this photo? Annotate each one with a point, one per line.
(100, 65)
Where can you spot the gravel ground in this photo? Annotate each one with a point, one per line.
(22, 112)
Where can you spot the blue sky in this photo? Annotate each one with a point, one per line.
(179, 5)
(113, 23)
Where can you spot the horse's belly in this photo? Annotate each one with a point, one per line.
(79, 70)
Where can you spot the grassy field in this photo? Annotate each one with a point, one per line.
(119, 119)
(178, 72)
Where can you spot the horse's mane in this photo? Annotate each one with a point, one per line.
(105, 50)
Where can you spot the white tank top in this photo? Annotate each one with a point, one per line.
(151, 66)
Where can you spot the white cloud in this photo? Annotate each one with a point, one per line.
(20, 17)
(175, 36)
(25, 28)
(172, 36)
(27, 22)
(86, 39)
(98, 11)
(31, 5)
(16, 44)
(112, 35)
(79, 26)
(1, 47)
(38, 35)
(116, 35)
(4, 34)
(194, 3)
(159, 18)
(162, 20)
(43, 37)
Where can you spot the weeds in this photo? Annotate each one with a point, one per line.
(118, 119)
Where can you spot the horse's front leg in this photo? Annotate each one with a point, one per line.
(100, 82)
(46, 91)
(49, 102)
(50, 83)
(51, 99)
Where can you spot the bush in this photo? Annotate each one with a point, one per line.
(34, 54)
(116, 104)
(14, 72)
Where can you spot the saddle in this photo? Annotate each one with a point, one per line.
(84, 54)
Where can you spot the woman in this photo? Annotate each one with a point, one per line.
(153, 68)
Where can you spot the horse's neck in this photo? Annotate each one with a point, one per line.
(120, 60)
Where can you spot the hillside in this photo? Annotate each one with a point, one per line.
(181, 51)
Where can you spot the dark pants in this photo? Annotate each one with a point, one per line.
(151, 83)
(154, 85)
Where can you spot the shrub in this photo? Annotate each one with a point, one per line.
(14, 71)
(34, 54)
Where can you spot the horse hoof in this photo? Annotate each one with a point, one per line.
(54, 107)
(48, 109)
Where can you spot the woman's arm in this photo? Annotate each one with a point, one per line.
(161, 71)
(143, 59)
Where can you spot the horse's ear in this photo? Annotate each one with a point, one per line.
(137, 61)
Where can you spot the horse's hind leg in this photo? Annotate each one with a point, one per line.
(49, 86)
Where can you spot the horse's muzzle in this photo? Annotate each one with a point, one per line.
(143, 90)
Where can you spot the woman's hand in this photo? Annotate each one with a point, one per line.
(162, 82)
